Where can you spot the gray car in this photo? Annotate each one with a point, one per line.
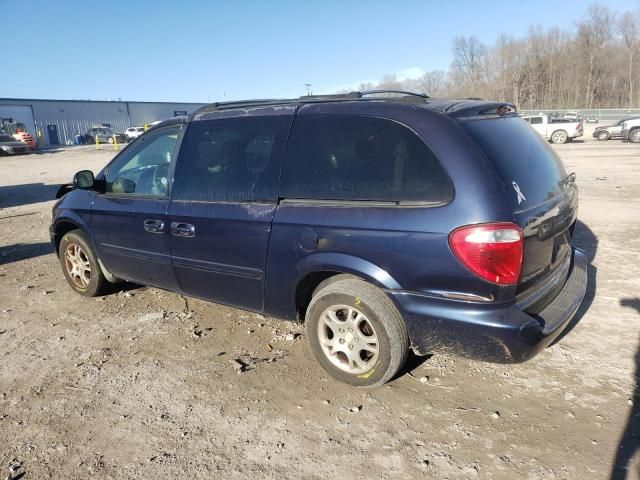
(103, 135)
(617, 129)
(631, 129)
(10, 146)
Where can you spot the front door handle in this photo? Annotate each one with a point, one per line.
(153, 226)
(183, 229)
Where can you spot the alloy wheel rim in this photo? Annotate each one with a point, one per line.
(77, 265)
(348, 339)
(558, 137)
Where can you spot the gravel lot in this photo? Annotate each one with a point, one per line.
(140, 384)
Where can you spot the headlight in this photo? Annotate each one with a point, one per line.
(6, 148)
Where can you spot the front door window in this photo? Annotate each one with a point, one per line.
(143, 169)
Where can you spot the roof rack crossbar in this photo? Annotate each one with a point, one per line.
(403, 92)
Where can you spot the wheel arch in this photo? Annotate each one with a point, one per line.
(317, 268)
(559, 130)
(61, 228)
(631, 132)
(65, 225)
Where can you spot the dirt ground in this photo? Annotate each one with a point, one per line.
(140, 384)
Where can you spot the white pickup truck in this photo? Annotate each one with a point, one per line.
(556, 130)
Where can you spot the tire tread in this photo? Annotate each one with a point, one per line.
(377, 300)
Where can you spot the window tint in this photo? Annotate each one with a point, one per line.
(143, 168)
(234, 160)
(349, 157)
(536, 120)
(520, 155)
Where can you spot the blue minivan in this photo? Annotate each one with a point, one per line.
(384, 222)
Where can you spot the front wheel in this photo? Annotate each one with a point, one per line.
(80, 265)
(355, 332)
(559, 136)
(634, 136)
(603, 136)
(110, 140)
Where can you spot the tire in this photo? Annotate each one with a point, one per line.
(361, 326)
(559, 137)
(80, 265)
(634, 136)
(603, 136)
(110, 140)
(89, 141)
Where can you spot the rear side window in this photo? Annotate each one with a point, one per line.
(350, 157)
(231, 160)
(526, 163)
(536, 120)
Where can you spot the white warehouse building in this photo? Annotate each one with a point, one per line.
(57, 122)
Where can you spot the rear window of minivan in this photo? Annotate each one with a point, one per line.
(525, 162)
(360, 158)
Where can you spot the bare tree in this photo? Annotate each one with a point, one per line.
(630, 31)
(594, 33)
(468, 56)
(432, 83)
(593, 66)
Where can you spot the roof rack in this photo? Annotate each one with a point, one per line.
(235, 103)
(332, 96)
(403, 92)
(303, 99)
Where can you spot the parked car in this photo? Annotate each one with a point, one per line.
(631, 129)
(387, 225)
(571, 116)
(591, 120)
(607, 132)
(133, 132)
(11, 146)
(555, 130)
(104, 135)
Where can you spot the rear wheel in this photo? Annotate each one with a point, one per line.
(356, 333)
(80, 265)
(634, 136)
(559, 136)
(110, 140)
(603, 136)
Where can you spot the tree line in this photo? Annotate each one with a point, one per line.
(596, 65)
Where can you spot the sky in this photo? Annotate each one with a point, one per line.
(200, 51)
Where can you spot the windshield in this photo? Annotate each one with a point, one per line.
(6, 138)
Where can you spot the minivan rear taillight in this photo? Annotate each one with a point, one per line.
(492, 251)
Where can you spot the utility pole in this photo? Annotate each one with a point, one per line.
(308, 85)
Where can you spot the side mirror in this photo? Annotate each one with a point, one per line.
(83, 179)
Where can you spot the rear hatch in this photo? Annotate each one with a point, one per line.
(543, 197)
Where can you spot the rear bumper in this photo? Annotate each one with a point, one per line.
(495, 333)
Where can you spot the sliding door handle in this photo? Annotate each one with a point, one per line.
(153, 226)
(183, 230)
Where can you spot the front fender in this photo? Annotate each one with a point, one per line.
(74, 208)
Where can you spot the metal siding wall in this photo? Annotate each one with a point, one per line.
(76, 117)
(142, 113)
